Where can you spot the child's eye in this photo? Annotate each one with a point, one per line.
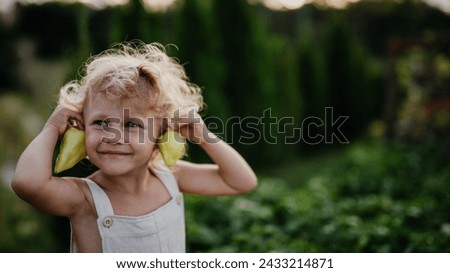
(101, 123)
(132, 124)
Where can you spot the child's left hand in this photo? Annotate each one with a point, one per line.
(228, 174)
(192, 128)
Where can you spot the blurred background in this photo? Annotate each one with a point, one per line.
(383, 63)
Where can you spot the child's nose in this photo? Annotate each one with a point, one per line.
(114, 134)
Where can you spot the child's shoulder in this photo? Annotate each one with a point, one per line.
(82, 187)
(79, 182)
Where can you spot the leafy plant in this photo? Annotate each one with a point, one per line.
(375, 199)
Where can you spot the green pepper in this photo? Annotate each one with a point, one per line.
(71, 151)
(172, 147)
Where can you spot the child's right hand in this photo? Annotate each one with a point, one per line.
(62, 117)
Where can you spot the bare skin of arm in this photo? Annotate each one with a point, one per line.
(33, 180)
(229, 175)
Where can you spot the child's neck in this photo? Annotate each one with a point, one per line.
(130, 183)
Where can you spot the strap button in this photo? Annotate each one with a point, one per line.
(179, 199)
(107, 222)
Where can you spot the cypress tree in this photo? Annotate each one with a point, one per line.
(249, 78)
(199, 47)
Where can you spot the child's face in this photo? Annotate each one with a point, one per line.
(119, 139)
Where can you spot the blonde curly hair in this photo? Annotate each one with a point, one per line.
(135, 70)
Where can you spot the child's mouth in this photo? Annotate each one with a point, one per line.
(114, 153)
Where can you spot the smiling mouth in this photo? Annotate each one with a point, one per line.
(113, 153)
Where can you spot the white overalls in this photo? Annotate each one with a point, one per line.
(162, 230)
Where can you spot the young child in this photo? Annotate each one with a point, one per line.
(127, 98)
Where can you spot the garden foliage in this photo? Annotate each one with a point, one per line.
(374, 199)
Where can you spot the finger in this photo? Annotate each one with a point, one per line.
(75, 119)
(179, 121)
(75, 124)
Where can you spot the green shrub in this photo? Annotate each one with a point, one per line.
(375, 199)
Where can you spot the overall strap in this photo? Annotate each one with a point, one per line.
(101, 200)
(169, 181)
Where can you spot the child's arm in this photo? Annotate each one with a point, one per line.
(230, 174)
(33, 180)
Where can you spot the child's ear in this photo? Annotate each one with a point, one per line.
(71, 150)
